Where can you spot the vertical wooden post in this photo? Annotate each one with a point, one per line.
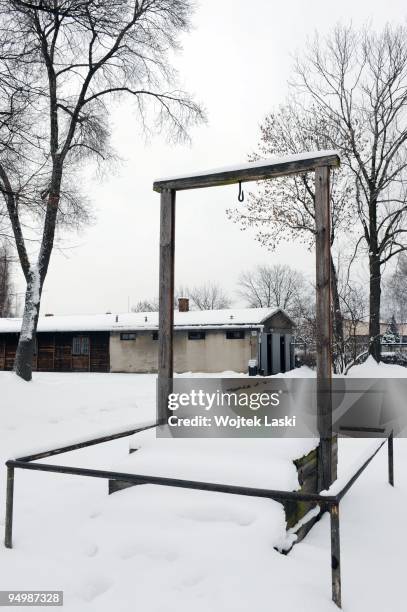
(326, 466)
(166, 301)
(8, 538)
(390, 459)
(335, 555)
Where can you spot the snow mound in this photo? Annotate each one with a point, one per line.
(260, 462)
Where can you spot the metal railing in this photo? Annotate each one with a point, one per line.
(326, 502)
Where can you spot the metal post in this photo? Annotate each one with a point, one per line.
(166, 298)
(8, 538)
(335, 555)
(391, 460)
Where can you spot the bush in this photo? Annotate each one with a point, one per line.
(305, 358)
(395, 357)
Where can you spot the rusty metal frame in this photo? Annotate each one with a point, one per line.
(329, 502)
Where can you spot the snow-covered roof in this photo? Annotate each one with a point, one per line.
(139, 321)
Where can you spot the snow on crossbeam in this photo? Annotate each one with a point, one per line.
(252, 171)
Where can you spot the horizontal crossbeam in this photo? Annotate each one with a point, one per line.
(256, 171)
(175, 482)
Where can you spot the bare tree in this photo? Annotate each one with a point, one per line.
(62, 63)
(354, 300)
(5, 281)
(146, 306)
(209, 296)
(395, 295)
(275, 286)
(285, 208)
(357, 80)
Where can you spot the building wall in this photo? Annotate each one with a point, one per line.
(54, 352)
(215, 353)
(139, 355)
(8, 347)
(278, 323)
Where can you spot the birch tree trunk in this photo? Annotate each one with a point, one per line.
(35, 279)
(25, 349)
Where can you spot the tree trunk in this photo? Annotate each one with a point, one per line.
(35, 281)
(374, 306)
(25, 349)
(337, 323)
(375, 283)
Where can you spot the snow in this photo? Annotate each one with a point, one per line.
(270, 161)
(139, 321)
(351, 462)
(161, 549)
(291, 536)
(371, 369)
(59, 409)
(263, 463)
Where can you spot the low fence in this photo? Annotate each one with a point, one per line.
(327, 502)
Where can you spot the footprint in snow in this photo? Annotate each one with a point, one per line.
(160, 555)
(91, 549)
(219, 515)
(93, 588)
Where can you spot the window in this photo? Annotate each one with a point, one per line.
(196, 335)
(235, 334)
(155, 335)
(127, 336)
(80, 345)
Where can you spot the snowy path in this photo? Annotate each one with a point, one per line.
(164, 550)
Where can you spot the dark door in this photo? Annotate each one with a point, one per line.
(268, 368)
(63, 352)
(10, 351)
(282, 353)
(45, 352)
(2, 353)
(99, 352)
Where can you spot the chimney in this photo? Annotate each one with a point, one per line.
(183, 304)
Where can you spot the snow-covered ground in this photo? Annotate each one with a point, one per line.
(159, 549)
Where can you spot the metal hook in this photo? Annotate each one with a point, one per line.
(240, 197)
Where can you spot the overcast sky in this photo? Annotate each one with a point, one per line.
(236, 61)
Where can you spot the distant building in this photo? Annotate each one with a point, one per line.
(361, 328)
(359, 333)
(204, 341)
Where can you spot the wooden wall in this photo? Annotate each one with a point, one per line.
(54, 352)
(8, 346)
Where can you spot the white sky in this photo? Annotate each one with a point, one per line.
(236, 61)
